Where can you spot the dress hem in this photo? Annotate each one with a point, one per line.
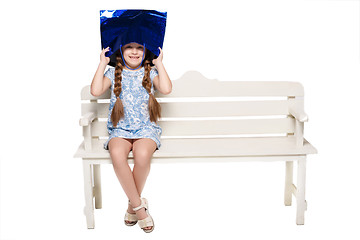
(106, 144)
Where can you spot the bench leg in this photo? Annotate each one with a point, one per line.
(97, 186)
(88, 189)
(288, 183)
(300, 194)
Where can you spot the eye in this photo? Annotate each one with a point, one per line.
(140, 48)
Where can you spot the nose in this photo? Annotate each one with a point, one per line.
(134, 50)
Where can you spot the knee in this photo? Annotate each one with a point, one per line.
(118, 156)
(142, 159)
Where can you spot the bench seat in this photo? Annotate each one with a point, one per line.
(213, 147)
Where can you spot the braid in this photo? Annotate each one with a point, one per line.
(118, 109)
(154, 106)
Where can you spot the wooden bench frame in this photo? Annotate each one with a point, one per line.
(288, 148)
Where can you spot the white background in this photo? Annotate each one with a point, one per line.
(50, 50)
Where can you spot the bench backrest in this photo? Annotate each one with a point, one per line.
(200, 107)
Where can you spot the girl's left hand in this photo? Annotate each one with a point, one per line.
(159, 59)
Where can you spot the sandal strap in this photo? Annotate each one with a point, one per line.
(142, 205)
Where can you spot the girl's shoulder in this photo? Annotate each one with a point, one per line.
(110, 74)
(110, 71)
(154, 70)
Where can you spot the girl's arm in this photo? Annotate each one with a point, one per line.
(100, 83)
(162, 82)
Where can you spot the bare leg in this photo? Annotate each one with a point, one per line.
(119, 149)
(143, 150)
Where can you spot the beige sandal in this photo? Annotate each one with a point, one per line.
(131, 218)
(148, 221)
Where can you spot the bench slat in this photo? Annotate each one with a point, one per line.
(206, 109)
(215, 127)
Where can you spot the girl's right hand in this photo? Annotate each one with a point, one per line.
(104, 59)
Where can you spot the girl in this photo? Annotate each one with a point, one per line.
(132, 120)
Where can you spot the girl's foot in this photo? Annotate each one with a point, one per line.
(141, 214)
(127, 222)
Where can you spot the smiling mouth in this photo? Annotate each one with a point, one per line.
(133, 57)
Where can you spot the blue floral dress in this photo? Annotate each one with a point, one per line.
(135, 98)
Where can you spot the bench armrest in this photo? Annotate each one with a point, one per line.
(298, 113)
(87, 119)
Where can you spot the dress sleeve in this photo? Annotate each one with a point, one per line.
(153, 73)
(110, 73)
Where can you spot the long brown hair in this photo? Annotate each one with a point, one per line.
(118, 109)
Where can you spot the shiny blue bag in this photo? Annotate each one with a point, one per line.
(120, 27)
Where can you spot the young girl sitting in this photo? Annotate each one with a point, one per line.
(132, 120)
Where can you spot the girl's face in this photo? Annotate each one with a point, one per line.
(133, 53)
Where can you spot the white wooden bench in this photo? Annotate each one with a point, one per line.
(231, 121)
